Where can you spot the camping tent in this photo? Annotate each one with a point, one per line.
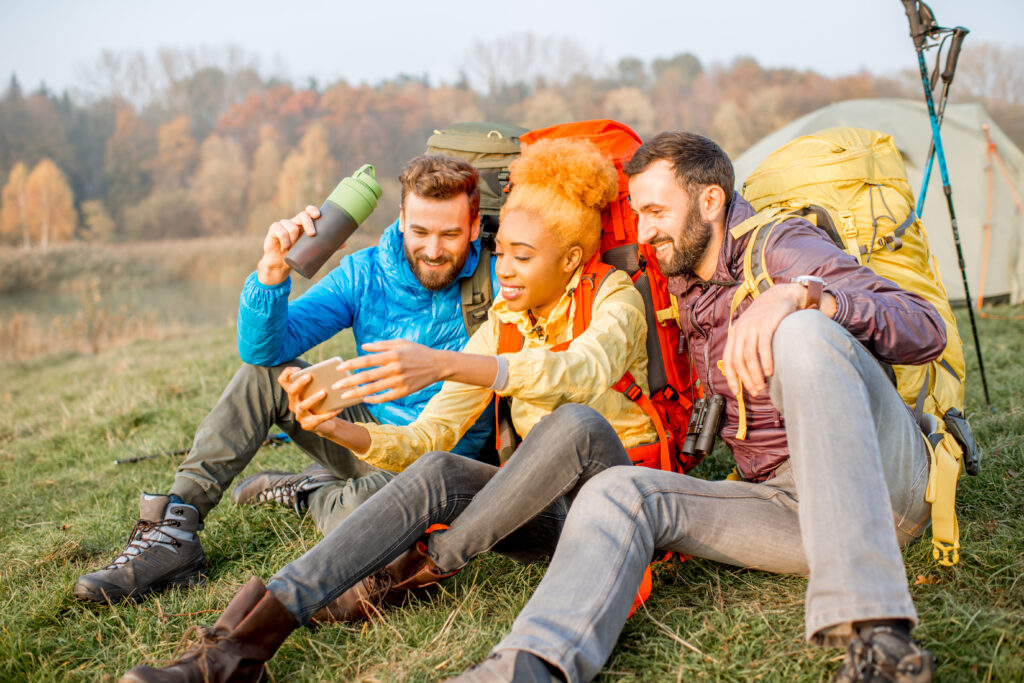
(964, 142)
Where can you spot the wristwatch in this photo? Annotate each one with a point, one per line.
(813, 287)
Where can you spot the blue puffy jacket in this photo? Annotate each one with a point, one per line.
(374, 292)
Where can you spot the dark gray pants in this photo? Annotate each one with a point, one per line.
(517, 510)
(231, 435)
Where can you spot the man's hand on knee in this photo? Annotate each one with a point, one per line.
(747, 361)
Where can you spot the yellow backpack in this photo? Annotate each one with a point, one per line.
(852, 183)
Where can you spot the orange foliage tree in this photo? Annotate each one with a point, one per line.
(14, 207)
(51, 205)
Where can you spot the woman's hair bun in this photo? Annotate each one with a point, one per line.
(575, 169)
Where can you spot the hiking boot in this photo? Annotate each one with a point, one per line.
(882, 654)
(287, 489)
(511, 665)
(412, 571)
(163, 550)
(235, 648)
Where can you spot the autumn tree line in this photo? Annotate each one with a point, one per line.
(184, 144)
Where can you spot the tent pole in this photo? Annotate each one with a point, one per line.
(988, 220)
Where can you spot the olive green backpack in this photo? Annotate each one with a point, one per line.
(490, 147)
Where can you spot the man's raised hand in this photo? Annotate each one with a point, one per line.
(272, 269)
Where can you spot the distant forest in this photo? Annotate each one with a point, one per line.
(198, 143)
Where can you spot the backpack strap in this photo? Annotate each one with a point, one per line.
(628, 387)
(594, 274)
(756, 279)
(477, 293)
(506, 439)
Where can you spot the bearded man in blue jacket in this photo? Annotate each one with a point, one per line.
(407, 287)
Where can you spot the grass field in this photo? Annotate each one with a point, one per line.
(66, 509)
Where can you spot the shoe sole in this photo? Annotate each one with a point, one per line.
(100, 594)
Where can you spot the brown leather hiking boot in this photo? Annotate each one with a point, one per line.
(235, 648)
(412, 571)
(163, 550)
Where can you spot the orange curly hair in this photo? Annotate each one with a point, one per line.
(566, 183)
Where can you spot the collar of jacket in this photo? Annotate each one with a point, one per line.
(391, 255)
(730, 256)
(542, 329)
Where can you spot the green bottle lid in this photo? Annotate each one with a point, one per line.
(357, 195)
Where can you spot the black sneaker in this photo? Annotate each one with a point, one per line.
(287, 489)
(163, 550)
(882, 655)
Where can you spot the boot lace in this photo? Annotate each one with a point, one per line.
(144, 535)
(194, 644)
(288, 494)
(377, 586)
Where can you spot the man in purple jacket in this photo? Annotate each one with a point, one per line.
(833, 465)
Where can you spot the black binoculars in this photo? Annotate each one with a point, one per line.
(705, 421)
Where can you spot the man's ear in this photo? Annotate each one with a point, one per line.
(713, 202)
(401, 221)
(474, 229)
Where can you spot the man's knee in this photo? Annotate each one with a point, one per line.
(806, 340)
(622, 486)
(259, 375)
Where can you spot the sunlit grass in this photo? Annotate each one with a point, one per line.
(66, 509)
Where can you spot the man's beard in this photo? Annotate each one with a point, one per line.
(434, 280)
(689, 247)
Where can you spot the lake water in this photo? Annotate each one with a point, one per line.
(187, 304)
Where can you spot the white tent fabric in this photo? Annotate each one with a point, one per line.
(964, 142)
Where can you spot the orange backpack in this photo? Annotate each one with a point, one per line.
(669, 375)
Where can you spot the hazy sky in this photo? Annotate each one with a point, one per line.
(50, 40)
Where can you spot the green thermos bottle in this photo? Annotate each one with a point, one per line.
(346, 208)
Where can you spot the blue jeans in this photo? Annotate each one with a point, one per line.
(517, 510)
(851, 493)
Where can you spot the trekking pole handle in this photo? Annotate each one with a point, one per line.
(957, 42)
(914, 17)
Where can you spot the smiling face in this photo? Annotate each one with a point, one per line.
(437, 235)
(533, 264)
(670, 219)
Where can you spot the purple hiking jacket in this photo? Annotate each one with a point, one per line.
(897, 326)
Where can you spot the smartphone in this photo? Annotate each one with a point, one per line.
(325, 373)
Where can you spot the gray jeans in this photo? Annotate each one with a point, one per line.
(517, 510)
(838, 510)
(231, 435)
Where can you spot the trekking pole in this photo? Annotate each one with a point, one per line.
(274, 440)
(952, 57)
(923, 25)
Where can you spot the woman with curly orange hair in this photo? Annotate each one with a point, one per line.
(443, 509)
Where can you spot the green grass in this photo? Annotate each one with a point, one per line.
(66, 509)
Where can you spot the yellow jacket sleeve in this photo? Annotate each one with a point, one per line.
(445, 418)
(594, 361)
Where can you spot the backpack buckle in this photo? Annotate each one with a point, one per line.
(670, 393)
(633, 392)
